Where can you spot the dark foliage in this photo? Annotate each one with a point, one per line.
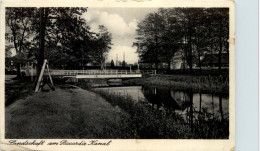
(190, 31)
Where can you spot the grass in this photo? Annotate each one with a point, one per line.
(19, 88)
(213, 84)
(67, 112)
(142, 123)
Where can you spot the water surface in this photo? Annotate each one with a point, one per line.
(187, 104)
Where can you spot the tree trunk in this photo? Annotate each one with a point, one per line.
(190, 54)
(227, 47)
(156, 53)
(199, 62)
(183, 58)
(191, 111)
(189, 34)
(200, 107)
(18, 72)
(211, 47)
(220, 107)
(186, 52)
(156, 66)
(198, 50)
(220, 46)
(169, 66)
(40, 59)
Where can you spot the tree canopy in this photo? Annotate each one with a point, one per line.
(191, 31)
(58, 34)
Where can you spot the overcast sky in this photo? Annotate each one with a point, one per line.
(122, 23)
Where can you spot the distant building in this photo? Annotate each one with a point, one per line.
(178, 61)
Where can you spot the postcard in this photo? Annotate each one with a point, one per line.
(118, 75)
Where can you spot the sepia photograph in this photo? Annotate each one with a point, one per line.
(117, 73)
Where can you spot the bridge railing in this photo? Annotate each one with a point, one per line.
(92, 72)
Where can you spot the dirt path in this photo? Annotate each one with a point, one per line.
(67, 112)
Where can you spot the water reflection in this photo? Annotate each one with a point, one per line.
(191, 106)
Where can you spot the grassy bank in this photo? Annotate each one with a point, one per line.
(215, 84)
(66, 113)
(16, 89)
(145, 122)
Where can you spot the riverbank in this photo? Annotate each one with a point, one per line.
(146, 122)
(71, 112)
(207, 84)
(67, 112)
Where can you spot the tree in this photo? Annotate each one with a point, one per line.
(192, 31)
(18, 32)
(66, 34)
(170, 35)
(149, 38)
(112, 64)
(200, 33)
(102, 45)
(223, 32)
(68, 38)
(158, 37)
(123, 63)
(60, 35)
(187, 23)
(44, 12)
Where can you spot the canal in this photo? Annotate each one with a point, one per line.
(190, 105)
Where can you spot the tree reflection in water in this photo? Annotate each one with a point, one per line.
(207, 114)
(196, 109)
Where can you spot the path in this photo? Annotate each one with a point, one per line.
(67, 112)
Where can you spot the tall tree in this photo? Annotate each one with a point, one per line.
(59, 34)
(44, 12)
(102, 46)
(18, 22)
(223, 33)
(55, 30)
(193, 31)
(149, 38)
(170, 36)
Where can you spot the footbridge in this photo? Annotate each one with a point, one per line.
(94, 74)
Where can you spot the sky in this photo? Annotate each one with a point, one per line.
(122, 23)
